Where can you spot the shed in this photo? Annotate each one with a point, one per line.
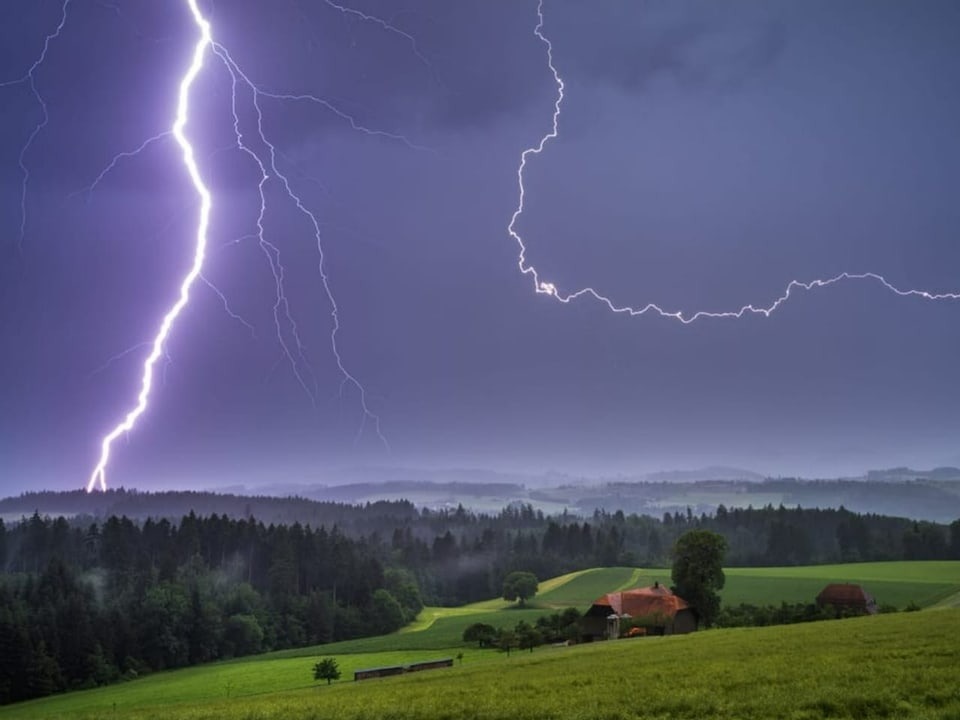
(375, 672)
(847, 596)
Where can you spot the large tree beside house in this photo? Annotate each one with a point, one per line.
(698, 571)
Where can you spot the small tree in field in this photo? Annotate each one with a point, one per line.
(481, 633)
(520, 585)
(527, 636)
(506, 641)
(327, 669)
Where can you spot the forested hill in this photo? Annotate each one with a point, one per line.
(900, 494)
(84, 602)
(355, 518)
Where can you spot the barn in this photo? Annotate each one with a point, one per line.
(656, 608)
(847, 596)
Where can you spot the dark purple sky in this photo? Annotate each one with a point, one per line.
(708, 154)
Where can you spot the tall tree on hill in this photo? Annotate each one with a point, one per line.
(520, 585)
(698, 571)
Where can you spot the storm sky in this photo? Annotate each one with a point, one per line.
(708, 154)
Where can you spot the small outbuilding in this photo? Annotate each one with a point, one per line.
(847, 596)
(655, 608)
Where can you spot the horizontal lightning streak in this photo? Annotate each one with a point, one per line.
(342, 115)
(98, 477)
(386, 26)
(544, 287)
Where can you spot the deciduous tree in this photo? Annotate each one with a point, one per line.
(480, 633)
(520, 585)
(327, 669)
(698, 571)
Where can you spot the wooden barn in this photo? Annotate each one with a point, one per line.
(430, 665)
(656, 608)
(378, 672)
(848, 597)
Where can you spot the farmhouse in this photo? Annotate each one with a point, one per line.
(847, 596)
(657, 609)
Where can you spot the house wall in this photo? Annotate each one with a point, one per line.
(593, 628)
(685, 621)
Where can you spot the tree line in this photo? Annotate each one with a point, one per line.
(83, 606)
(85, 602)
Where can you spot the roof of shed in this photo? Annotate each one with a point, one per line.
(844, 594)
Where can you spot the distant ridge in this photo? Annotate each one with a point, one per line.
(712, 472)
(905, 474)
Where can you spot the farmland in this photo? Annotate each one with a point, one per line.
(900, 665)
(895, 583)
(897, 665)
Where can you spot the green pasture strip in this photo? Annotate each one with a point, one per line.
(552, 584)
(429, 615)
(924, 583)
(914, 571)
(775, 590)
(951, 601)
(445, 633)
(586, 587)
(636, 575)
(251, 677)
(898, 666)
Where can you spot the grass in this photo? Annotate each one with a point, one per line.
(925, 583)
(901, 665)
(896, 583)
(444, 634)
(588, 585)
(896, 666)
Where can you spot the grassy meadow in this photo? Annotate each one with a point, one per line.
(902, 665)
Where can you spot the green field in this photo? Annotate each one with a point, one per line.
(584, 587)
(925, 583)
(894, 665)
(901, 665)
(894, 583)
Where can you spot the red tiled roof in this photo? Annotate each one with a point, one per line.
(643, 602)
(844, 594)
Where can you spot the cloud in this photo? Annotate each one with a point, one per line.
(694, 46)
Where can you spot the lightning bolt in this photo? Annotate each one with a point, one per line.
(386, 26)
(544, 287)
(88, 191)
(98, 476)
(31, 80)
(269, 165)
(288, 335)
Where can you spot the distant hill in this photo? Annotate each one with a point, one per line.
(899, 492)
(714, 472)
(904, 474)
(176, 504)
